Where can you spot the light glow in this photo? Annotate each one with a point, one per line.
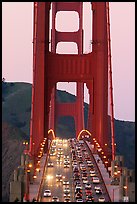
(37, 169)
(125, 187)
(49, 177)
(30, 165)
(82, 132)
(51, 131)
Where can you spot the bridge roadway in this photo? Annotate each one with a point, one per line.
(57, 187)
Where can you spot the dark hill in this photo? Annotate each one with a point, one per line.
(16, 109)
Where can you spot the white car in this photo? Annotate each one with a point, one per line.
(95, 179)
(98, 190)
(79, 200)
(85, 181)
(47, 193)
(88, 186)
(101, 199)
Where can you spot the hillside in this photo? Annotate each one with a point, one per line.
(12, 148)
(16, 109)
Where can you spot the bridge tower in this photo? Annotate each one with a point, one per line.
(50, 68)
(74, 109)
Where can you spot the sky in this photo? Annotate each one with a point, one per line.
(17, 58)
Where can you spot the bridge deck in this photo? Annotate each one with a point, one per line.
(112, 190)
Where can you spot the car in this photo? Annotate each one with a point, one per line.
(98, 190)
(101, 199)
(75, 169)
(66, 190)
(66, 156)
(84, 174)
(66, 165)
(87, 158)
(67, 195)
(78, 195)
(79, 200)
(83, 168)
(55, 199)
(52, 154)
(58, 175)
(66, 160)
(60, 153)
(95, 179)
(90, 165)
(67, 200)
(77, 183)
(76, 178)
(89, 198)
(59, 178)
(88, 192)
(47, 193)
(74, 164)
(82, 165)
(97, 187)
(53, 145)
(87, 186)
(89, 162)
(78, 190)
(85, 181)
(92, 174)
(50, 164)
(66, 182)
(84, 177)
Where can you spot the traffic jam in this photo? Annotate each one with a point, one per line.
(86, 185)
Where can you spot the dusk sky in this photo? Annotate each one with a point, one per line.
(17, 58)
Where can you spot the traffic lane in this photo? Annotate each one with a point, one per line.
(57, 187)
(96, 196)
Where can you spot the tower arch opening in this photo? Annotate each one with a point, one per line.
(72, 23)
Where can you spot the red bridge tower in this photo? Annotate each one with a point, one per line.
(50, 68)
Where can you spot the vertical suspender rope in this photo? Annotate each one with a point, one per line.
(111, 87)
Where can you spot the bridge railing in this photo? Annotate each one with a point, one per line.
(42, 179)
